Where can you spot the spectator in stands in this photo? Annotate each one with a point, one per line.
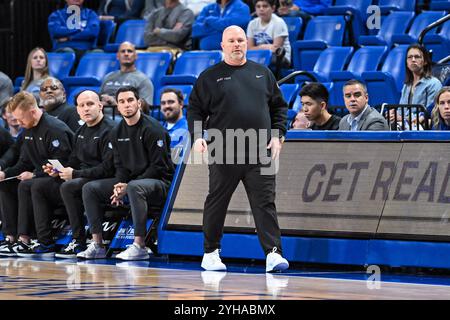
(126, 76)
(144, 171)
(45, 137)
(420, 87)
(314, 97)
(67, 36)
(6, 89)
(53, 100)
(213, 20)
(269, 32)
(150, 6)
(300, 121)
(11, 156)
(441, 111)
(120, 10)
(36, 71)
(12, 125)
(6, 140)
(303, 8)
(362, 116)
(172, 108)
(169, 28)
(196, 5)
(91, 158)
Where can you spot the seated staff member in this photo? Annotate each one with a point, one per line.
(144, 171)
(44, 137)
(90, 159)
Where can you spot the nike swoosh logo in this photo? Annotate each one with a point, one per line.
(259, 76)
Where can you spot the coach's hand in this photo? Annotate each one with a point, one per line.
(200, 145)
(25, 176)
(275, 147)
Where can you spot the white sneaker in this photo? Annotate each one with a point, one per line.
(275, 262)
(212, 262)
(134, 252)
(93, 251)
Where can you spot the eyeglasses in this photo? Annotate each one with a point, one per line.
(417, 57)
(52, 88)
(167, 102)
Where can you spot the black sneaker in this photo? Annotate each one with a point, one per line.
(71, 250)
(38, 250)
(7, 248)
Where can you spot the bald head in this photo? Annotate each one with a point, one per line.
(127, 55)
(89, 107)
(234, 46)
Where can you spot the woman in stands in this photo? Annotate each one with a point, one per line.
(420, 86)
(36, 71)
(441, 111)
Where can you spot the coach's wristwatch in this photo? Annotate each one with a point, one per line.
(282, 138)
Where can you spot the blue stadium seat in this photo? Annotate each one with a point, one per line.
(365, 59)
(395, 23)
(386, 85)
(107, 28)
(419, 23)
(387, 6)
(358, 8)
(71, 97)
(331, 59)
(294, 25)
(130, 30)
(92, 69)
(440, 5)
(321, 32)
(154, 65)
(189, 66)
(260, 56)
(289, 91)
(439, 43)
(60, 64)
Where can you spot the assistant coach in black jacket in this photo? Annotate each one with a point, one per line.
(241, 95)
(143, 173)
(44, 137)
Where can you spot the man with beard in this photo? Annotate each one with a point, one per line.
(126, 76)
(53, 100)
(314, 97)
(240, 95)
(143, 173)
(91, 158)
(172, 109)
(44, 137)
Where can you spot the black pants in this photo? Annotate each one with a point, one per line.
(71, 193)
(52, 193)
(141, 193)
(17, 208)
(223, 181)
(46, 198)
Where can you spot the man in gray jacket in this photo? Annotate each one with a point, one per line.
(169, 26)
(362, 116)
